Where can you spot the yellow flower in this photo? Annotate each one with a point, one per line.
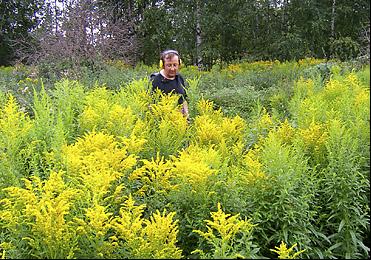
(310, 61)
(97, 160)
(42, 207)
(13, 124)
(207, 131)
(362, 99)
(314, 137)
(3, 247)
(223, 132)
(222, 230)
(153, 238)
(120, 121)
(154, 175)
(264, 123)
(161, 233)
(234, 68)
(304, 87)
(254, 166)
(194, 165)
(334, 90)
(206, 107)
(98, 219)
(133, 144)
(285, 132)
(103, 113)
(129, 223)
(286, 253)
(89, 118)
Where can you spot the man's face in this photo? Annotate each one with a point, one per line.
(171, 66)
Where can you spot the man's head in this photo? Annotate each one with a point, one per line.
(170, 62)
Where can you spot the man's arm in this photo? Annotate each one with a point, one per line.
(185, 111)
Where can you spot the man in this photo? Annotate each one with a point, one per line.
(168, 80)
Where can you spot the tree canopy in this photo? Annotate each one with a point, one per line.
(205, 32)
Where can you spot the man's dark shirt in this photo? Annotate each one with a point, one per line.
(167, 86)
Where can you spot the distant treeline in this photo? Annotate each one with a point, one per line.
(82, 32)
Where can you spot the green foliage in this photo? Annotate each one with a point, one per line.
(222, 235)
(285, 253)
(97, 172)
(45, 135)
(344, 183)
(229, 31)
(284, 203)
(240, 87)
(68, 97)
(344, 48)
(22, 17)
(290, 46)
(15, 134)
(329, 119)
(20, 81)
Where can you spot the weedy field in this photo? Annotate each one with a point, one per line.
(275, 163)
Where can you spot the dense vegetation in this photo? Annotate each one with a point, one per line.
(274, 163)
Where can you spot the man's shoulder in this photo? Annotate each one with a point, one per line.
(154, 75)
(179, 75)
(181, 78)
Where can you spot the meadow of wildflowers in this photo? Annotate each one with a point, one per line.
(96, 172)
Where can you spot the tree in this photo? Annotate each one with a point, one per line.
(204, 32)
(188, 24)
(84, 32)
(18, 19)
(156, 31)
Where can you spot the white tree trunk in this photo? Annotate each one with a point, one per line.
(198, 36)
(333, 18)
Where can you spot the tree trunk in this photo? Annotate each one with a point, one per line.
(198, 37)
(333, 19)
(56, 17)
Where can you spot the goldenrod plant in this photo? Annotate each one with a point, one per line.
(38, 217)
(103, 111)
(15, 132)
(135, 95)
(254, 169)
(228, 236)
(274, 151)
(68, 97)
(194, 166)
(152, 238)
(213, 129)
(152, 181)
(287, 189)
(286, 253)
(168, 128)
(93, 232)
(96, 161)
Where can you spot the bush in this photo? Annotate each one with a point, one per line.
(344, 48)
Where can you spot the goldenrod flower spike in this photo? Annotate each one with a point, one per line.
(286, 253)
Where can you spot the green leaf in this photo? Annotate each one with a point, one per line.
(323, 236)
(367, 249)
(341, 225)
(335, 246)
(354, 238)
